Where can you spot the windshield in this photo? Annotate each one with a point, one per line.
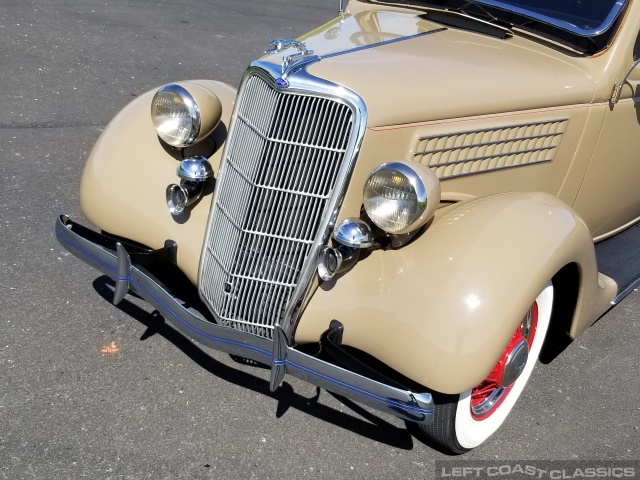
(585, 26)
(583, 17)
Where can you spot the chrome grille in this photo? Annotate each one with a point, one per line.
(281, 163)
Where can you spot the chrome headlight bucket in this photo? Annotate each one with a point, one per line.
(175, 115)
(400, 197)
(185, 113)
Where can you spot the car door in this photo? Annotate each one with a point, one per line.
(609, 198)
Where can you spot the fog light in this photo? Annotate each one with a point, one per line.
(181, 196)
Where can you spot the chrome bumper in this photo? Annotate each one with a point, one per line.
(111, 258)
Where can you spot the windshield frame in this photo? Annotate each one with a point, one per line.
(618, 7)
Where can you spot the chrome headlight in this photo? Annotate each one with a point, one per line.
(175, 115)
(400, 197)
(185, 113)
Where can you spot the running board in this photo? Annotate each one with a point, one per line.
(619, 258)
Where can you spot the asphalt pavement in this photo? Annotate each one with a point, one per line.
(89, 390)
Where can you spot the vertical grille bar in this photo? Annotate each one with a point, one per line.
(282, 162)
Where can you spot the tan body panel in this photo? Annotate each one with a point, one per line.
(561, 177)
(124, 181)
(442, 309)
(411, 307)
(430, 75)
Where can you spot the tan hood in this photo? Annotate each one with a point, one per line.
(447, 73)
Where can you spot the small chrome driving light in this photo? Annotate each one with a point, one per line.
(353, 232)
(195, 169)
(181, 196)
(400, 197)
(333, 260)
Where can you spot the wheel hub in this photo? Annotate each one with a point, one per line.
(514, 362)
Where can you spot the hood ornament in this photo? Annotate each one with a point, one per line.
(293, 62)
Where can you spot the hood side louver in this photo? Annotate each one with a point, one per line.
(478, 151)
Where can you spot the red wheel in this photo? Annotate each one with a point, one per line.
(488, 396)
(462, 422)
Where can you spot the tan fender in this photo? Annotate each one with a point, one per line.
(124, 180)
(442, 309)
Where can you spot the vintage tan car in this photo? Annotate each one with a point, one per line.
(405, 206)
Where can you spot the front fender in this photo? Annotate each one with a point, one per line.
(442, 309)
(124, 181)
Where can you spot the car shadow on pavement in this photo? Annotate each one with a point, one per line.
(372, 427)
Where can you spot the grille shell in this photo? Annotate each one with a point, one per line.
(287, 151)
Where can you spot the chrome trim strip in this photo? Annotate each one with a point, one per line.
(379, 44)
(621, 295)
(299, 61)
(404, 404)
